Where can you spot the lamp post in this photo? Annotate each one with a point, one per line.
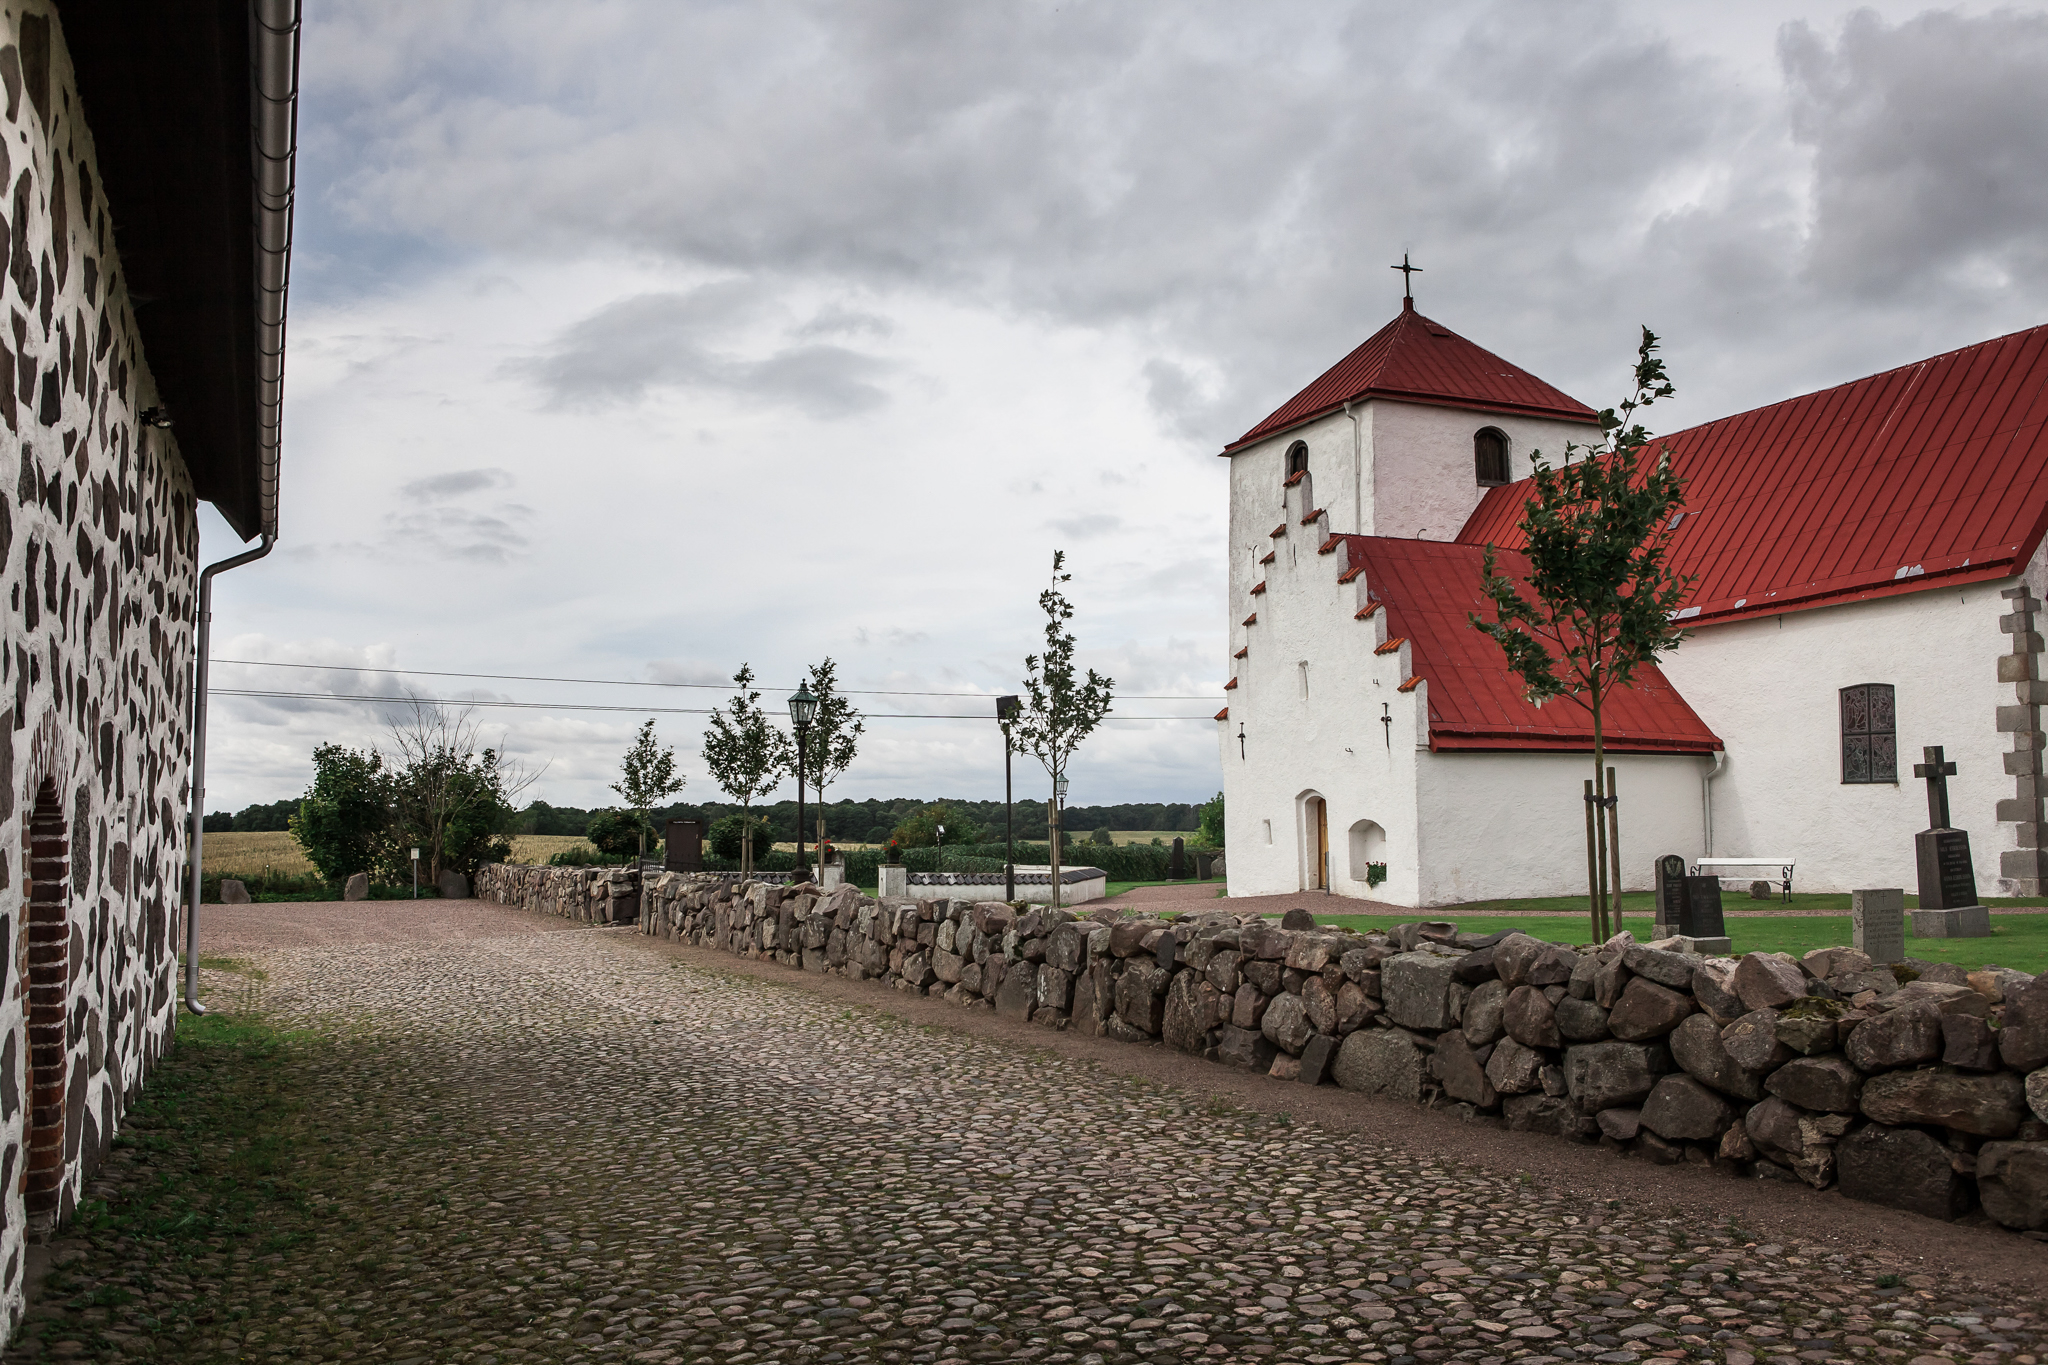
(942, 847)
(415, 874)
(1006, 711)
(1059, 801)
(803, 709)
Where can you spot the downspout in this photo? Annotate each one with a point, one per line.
(273, 139)
(1707, 797)
(199, 761)
(1357, 470)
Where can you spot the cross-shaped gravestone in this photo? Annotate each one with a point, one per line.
(1937, 774)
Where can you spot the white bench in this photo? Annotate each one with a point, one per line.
(1711, 867)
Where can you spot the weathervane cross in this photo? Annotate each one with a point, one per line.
(1407, 273)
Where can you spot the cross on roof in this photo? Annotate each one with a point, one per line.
(1937, 774)
(1408, 272)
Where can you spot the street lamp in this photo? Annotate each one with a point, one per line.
(1007, 709)
(1059, 801)
(803, 709)
(942, 847)
(415, 874)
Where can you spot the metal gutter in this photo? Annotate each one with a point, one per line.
(273, 134)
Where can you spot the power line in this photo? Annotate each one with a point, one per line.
(589, 706)
(624, 682)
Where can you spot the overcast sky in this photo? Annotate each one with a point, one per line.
(639, 340)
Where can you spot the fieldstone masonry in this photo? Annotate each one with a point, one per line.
(99, 543)
(1829, 1069)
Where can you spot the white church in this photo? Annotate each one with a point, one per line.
(1863, 556)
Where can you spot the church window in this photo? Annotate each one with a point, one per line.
(1490, 456)
(1297, 459)
(1870, 747)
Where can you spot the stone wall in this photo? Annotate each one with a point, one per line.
(1922, 1088)
(595, 895)
(99, 544)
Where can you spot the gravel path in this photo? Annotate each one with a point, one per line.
(580, 1146)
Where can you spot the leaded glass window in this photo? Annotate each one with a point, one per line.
(1870, 745)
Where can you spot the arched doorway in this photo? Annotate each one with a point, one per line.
(48, 906)
(1315, 814)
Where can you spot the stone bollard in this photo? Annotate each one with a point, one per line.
(233, 892)
(358, 887)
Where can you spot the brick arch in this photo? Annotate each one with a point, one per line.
(48, 933)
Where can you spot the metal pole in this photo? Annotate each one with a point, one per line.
(1009, 826)
(1592, 863)
(801, 730)
(1614, 844)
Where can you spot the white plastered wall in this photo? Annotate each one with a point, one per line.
(1316, 730)
(1770, 689)
(1508, 825)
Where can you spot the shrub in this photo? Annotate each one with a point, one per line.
(726, 837)
(342, 820)
(616, 832)
(878, 835)
(578, 856)
(1102, 836)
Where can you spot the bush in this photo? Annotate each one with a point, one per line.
(727, 836)
(578, 856)
(921, 829)
(616, 832)
(1211, 835)
(878, 835)
(1102, 836)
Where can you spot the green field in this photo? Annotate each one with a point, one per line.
(2019, 941)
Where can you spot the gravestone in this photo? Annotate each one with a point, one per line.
(1689, 907)
(358, 888)
(684, 846)
(452, 885)
(233, 892)
(1700, 920)
(1177, 865)
(1947, 875)
(1877, 919)
(1670, 884)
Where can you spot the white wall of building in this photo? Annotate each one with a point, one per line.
(1508, 825)
(1770, 689)
(1423, 469)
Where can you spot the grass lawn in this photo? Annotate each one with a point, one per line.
(1118, 888)
(2019, 941)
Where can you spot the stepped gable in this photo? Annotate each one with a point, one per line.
(1931, 475)
(1427, 587)
(1420, 361)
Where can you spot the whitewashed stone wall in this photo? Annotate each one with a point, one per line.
(99, 541)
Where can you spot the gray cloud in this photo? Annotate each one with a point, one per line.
(623, 350)
(457, 483)
(1930, 143)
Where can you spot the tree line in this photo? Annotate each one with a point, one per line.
(875, 821)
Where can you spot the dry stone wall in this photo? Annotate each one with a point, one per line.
(595, 895)
(1924, 1087)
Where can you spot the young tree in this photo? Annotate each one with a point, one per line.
(1600, 597)
(342, 819)
(834, 738)
(1059, 710)
(449, 794)
(747, 756)
(647, 773)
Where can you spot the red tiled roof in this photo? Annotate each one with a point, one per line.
(1421, 361)
(1934, 474)
(1258, 587)
(1475, 702)
(1224, 714)
(1329, 546)
(1242, 652)
(1232, 683)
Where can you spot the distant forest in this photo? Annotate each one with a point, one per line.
(853, 822)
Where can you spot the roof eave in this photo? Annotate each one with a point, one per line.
(1249, 439)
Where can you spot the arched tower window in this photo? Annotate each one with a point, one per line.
(1490, 456)
(1297, 459)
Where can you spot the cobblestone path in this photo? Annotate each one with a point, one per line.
(571, 1146)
